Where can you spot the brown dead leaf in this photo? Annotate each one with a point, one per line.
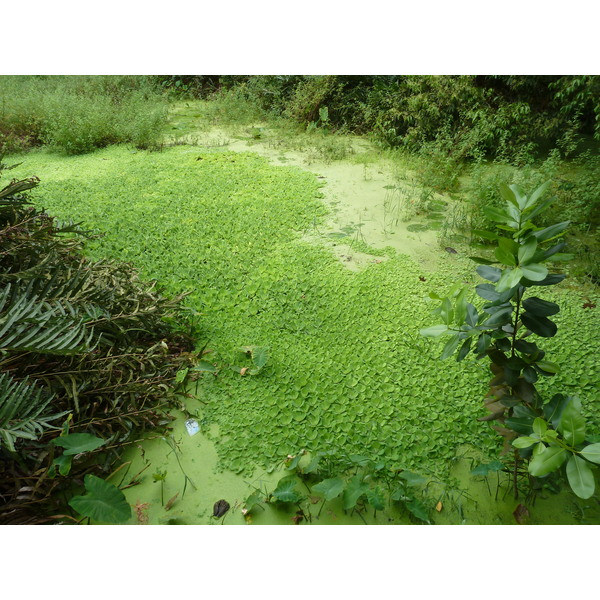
(243, 370)
(439, 506)
(172, 501)
(521, 514)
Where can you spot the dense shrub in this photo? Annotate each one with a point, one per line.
(79, 113)
(81, 342)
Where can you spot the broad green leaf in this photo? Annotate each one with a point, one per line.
(450, 347)
(486, 468)
(329, 489)
(527, 250)
(572, 424)
(534, 272)
(539, 426)
(536, 195)
(253, 499)
(580, 476)
(554, 409)
(548, 366)
(498, 215)
(539, 307)
(472, 315)
(446, 312)
(260, 356)
(505, 256)
(63, 463)
(547, 233)
(482, 261)
(412, 479)
(286, 490)
(551, 279)
(524, 442)
(434, 331)
(464, 349)
(103, 501)
(418, 509)
(487, 291)
(376, 498)
(354, 490)
(76, 443)
(592, 453)
(490, 273)
(541, 326)
(460, 307)
(508, 194)
(547, 461)
(509, 279)
(531, 212)
(486, 235)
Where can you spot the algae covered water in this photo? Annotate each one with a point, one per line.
(315, 265)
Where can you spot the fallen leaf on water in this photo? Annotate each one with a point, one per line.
(172, 501)
(439, 506)
(521, 514)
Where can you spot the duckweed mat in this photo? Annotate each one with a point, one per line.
(347, 370)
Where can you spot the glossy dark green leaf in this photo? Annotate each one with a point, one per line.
(580, 476)
(526, 347)
(464, 349)
(539, 307)
(553, 410)
(482, 261)
(522, 425)
(530, 375)
(487, 291)
(490, 273)
(472, 315)
(551, 279)
(450, 347)
(541, 326)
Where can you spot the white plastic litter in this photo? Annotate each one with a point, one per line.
(192, 426)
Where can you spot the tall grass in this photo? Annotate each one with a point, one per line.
(76, 114)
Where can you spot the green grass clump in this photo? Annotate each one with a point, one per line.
(76, 114)
(347, 370)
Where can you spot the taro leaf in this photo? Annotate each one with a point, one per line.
(360, 460)
(490, 273)
(412, 479)
(260, 356)
(547, 461)
(580, 476)
(539, 307)
(63, 463)
(376, 498)
(181, 375)
(418, 509)
(204, 366)
(253, 499)
(554, 409)
(592, 453)
(329, 488)
(76, 443)
(354, 490)
(103, 502)
(285, 490)
(572, 424)
(541, 326)
(294, 461)
(434, 331)
(484, 469)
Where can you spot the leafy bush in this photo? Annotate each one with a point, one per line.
(78, 338)
(79, 113)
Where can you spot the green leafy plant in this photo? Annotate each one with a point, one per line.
(545, 434)
(102, 502)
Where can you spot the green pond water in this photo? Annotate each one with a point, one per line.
(314, 262)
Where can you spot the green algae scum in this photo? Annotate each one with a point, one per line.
(287, 260)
